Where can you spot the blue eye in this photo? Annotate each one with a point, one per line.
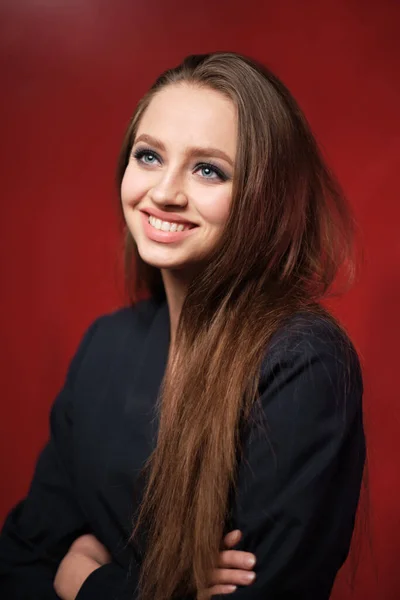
(213, 170)
(149, 157)
(148, 154)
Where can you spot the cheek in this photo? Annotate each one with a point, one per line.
(215, 208)
(133, 187)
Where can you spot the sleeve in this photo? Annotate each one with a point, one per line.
(300, 477)
(39, 530)
(110, 582)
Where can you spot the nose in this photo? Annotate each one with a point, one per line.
(169, 192)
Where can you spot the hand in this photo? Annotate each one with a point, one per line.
(90, 546)
(233, 569)
(85, 555)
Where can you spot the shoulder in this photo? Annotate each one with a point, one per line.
(116, 322)
(310, 329)
(311, 370)
(115, 325)
(110, 334)
(311, 338)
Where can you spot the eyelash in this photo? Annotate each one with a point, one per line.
(141, 152)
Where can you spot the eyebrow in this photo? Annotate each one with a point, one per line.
(192, 151)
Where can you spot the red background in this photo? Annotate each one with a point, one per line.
(71, 73)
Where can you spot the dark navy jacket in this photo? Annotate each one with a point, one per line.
(298, 481)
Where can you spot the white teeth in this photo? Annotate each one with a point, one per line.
(166, 225)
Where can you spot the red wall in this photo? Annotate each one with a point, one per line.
(71, 73)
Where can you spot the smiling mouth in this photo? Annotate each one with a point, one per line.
(168, 225)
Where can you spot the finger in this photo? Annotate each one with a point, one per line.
(232, 538)
(231, 577)
(213, 591)
(236, 559)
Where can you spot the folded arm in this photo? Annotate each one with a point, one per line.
(299, 481)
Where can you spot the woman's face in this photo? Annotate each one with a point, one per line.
(177, 188)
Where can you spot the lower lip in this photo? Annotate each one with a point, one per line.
(166, 237)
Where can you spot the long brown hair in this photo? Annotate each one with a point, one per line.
(288, 234)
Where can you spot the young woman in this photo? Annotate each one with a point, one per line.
(228, 401)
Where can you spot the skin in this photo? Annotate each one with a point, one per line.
(171, 178)
(87, 554)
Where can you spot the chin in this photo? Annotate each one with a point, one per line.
(163, 262)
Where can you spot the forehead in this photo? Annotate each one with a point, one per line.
(191, 115)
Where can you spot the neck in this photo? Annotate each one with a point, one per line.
(175, 284)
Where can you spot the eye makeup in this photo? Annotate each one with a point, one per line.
(140, 153)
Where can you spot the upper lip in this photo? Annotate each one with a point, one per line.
(167, 216)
